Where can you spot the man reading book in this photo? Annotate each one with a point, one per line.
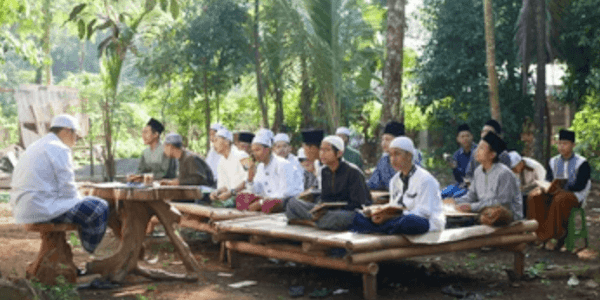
(414, 190)
(552, 206)
(340, 182)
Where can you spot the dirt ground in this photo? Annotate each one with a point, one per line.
(478, 271)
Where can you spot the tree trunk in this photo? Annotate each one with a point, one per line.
(277, 125)
(259, 86)
(109, 163)
(46, 39)
(392, 104)
(207, 108)
(82, 58)
(540, 86)
(306, 94)
(490, 51)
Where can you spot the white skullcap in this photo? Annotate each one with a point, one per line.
(515, 158)
(405, 144)
(268, 132)
(281, 137)
(226, 134)
(216, 126)
(173, 138)
(65, 121)
(301, 154)
(336, 141)
(263, 137)
(343, 130)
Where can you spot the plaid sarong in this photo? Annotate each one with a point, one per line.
(91, 215)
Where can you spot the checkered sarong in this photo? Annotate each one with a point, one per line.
(91, 215)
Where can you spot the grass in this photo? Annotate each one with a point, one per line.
(4, 197)
(63, 290)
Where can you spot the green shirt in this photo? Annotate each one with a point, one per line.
(157, 163)
(352, 155)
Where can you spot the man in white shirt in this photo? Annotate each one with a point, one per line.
(212, 157)
(274, 179)
(282, 148)
(231, 172)
(413, 188)
(44, 190)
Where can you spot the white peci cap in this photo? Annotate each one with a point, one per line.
(226, 134)
(65, 121)
(336, 141)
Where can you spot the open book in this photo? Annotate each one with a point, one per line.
(327, 205)
(545, 185)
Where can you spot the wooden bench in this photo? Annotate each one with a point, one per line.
(55, 257)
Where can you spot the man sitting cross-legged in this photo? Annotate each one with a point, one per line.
(340, 182)
(272, 181)
(460, 160)
(412, 188)
(494, 184)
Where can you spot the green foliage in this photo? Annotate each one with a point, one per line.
(587, 128)
(63, 290)
(74, 240)
(580, 50)
(4, 197)
(452, 67)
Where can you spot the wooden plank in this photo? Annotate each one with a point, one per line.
(323, 262)
(369, 286)
(50, 227)
(397, 253)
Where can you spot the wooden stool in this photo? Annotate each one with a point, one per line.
(573, 234)
(55, 257)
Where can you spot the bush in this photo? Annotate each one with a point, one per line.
(587, 131)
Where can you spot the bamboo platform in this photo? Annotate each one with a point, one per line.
(202, 218)
(271, 236)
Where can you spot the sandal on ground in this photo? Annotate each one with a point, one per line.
(98, 284)
(320, 293)
(456, 291)
(296, 291)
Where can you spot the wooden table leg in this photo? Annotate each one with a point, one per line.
(167, 217)
(370, 286)
(232, 262)
(222, 253)
(519, 263)
(134, 217)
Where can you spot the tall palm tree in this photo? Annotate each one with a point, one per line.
(490, 51)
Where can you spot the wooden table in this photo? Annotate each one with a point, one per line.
(131, 209)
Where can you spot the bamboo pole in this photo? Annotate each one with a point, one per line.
(395, 241)
(324, 262)
(197, 225)
(390, 254)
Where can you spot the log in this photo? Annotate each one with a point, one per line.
(54, 259)
(197, 223)
(324, 262)
(369, 286)
(390, 254)
(168, 216)
(135, 217)
(296, 249)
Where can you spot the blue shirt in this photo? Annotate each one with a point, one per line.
(380, 180)
(462, 160)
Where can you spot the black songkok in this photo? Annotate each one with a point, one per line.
(496, 125)
(394, 128)
(463, 127)
(566, 135)
(245, 137)
(495, 142)
(312, 136)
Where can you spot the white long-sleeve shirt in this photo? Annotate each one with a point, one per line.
(422, 197)
(276, 180)
(43, 183)
(212, 159)
(298, 169)
(230, 171)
